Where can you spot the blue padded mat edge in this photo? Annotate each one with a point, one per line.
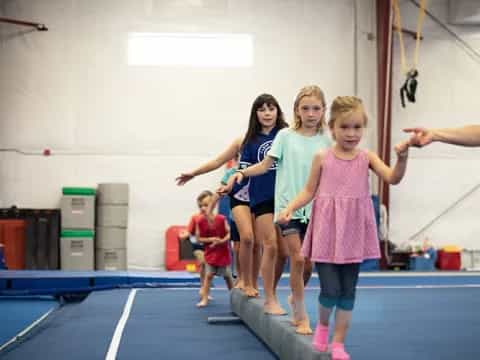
(57, 282)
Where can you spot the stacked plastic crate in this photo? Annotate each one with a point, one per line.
(78, 224)
(112, 221)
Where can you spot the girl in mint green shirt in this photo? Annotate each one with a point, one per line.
(293, 149)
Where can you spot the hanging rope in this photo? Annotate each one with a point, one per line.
(469, 50)
(421, 18)
(409, 88)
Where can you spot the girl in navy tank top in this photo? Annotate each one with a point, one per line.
(259, 126)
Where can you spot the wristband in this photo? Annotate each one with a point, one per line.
(241, 172)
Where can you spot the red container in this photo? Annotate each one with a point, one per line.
(448, 260)
(2, 257)
(172, 251)
(12, 236)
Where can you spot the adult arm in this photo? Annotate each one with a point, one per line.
(468, 135)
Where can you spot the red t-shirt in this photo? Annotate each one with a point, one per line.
(218, 255)
(193, 223)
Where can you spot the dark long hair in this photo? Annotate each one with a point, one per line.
(254, 126)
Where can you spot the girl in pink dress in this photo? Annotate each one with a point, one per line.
(342, 231)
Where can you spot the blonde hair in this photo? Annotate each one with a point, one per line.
(203, 195)
(311, 90)
(343, 106)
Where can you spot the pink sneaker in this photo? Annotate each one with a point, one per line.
(320, 338)
(338, 352)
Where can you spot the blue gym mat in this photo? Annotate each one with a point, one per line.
(18, 313)
(398, 316)
(57, 282)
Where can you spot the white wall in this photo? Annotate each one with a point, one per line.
(439, 175)
(70, 89)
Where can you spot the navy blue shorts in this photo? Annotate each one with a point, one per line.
(265, 207)
(235, 202)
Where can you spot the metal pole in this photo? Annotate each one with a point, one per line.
(38, 26)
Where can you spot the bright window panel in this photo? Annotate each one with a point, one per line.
(193, 50)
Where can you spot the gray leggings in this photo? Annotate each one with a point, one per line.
(338, 283)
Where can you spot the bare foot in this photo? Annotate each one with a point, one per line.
(200, 294)
(293, 321)
(202, 303)
(303, 327)
(250, 292)
(273, 308)
(240, 285)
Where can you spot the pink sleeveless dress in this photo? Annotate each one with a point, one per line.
(342, 227)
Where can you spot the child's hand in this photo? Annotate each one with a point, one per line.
(227, 188)
(284, 217)
(237, 177)
(223, 190)
(184, 178)
(183, 234)
(402, 148)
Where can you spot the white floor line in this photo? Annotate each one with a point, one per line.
(117, 335)
(27, 329)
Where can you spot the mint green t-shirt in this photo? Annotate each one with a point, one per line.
(227, 175)
(294, 153)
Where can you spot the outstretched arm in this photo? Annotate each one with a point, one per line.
(391, 175)
(229, 153)
(257, 169)
(307, 193)
(464, 136)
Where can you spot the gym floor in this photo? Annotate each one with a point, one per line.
(397, 316)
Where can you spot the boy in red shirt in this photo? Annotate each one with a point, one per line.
(213, 231)
(203, 200)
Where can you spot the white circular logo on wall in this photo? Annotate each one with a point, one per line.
(263, 151)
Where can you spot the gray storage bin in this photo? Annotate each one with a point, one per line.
(77, 250)
(112, 215)
(78, 211)
(110, 237)
(113, 194)
(111, 259)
